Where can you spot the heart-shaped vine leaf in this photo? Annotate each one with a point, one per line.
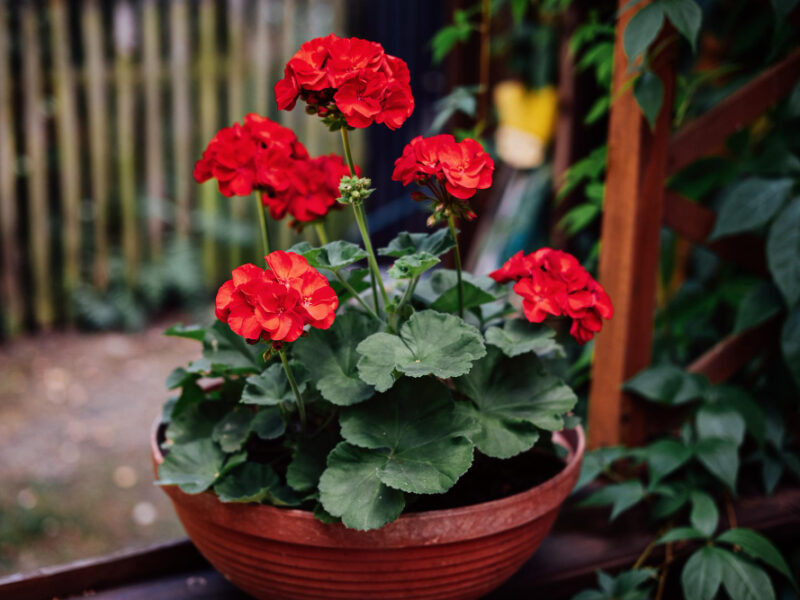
(412, 265)
(332, 256)
(519, 336)
(436, 243)
(272, 387)
(331, 358)
(351, 489)
(416, 428)
(430, 343)
(232, 431)
(254, 482)
(511, 398)
(193, 466)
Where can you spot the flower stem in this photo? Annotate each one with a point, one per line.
(301, 407)
(348, 154)
(260, 208)
(355, 295)
(319, 227)
(452, 221)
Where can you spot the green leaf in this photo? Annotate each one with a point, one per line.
(196, 421)
(332, 256)
(350, 488)
(447, 37)
(760, 304)
(579, 217)
(702, 574)
(416, 428)
(511, 398)
(190, 332)
(597, 461)
(720, 421)
(436, 243)
(473, 296)
(193, 466)
(268, 423)
(667, 384)
(783, 251)
(760, 548)
(230, 352)
(649, 93)
(620, 495)
(519, 336)
(680, 534)
(665, 456)
(736, 398)
(721, 458)
(309, 461)
(744, 580)
(641, 30)
(461, 100)
(252, 482)
(331, 358)
(233, 430)
(704, 515)
(271, 387)
(750, 204)
(429, 343)
(783, 7)
(439, 290)
(412, 265)
(790, 344)
(686, 16)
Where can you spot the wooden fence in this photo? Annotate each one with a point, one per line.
(104, 107)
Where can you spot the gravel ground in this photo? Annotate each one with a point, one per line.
(75, 473)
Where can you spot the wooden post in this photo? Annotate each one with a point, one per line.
(629, 248)
(181, 117)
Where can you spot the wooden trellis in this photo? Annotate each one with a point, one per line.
(637, 205)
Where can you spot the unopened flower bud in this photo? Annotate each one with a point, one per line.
(418, 196)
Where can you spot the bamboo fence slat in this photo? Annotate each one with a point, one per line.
(181, 113)
(235, 69)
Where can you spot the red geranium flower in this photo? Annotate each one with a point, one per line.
(277, 303)
(347, 81)
(552, 282)
(453, 171)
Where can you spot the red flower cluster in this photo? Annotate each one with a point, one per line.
(461, 168)
(350, 78)
(552, 282)
(275, 304)
(313, 190)
(256, 155)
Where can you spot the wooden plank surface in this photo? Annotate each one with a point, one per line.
(629, 249)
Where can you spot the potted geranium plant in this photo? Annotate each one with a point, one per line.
(346, 436)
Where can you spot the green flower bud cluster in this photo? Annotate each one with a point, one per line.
(354, 189)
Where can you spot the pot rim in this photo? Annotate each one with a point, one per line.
(270, 521)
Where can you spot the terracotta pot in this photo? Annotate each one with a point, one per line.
(455, 554)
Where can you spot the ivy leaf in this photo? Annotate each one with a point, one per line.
(193, 466)
(649, 93)
(620, 495)
(416, 428)
(272, 387)
(704, 515)
(721, 458)
(232, 431)
(430, 343)
(332, 256)
(663, 457)
(720, 421)
(641, 30)
(308, 462)
(756, 545)
(511, 398)
(783, 252)
(744, 580)
(331, 358)
(268, 423)
(409, 266)
(686, 16)
(519, 336)
(436, 243)
(254, 482)
(667, 384)
(759, 305)
(750, 204)
(790, 344)
(350, 488)
(680, 534)
(702, 574)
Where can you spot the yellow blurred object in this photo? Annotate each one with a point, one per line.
(527, 120)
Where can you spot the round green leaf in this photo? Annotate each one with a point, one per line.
(253, 482)
(332, 256)
(232, 431)
(409, 266)
(519, 336)
(268, 424)
(271, 387)
(193, 466)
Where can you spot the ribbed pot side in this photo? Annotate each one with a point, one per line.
(455, 554)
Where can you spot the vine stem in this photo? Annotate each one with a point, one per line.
(262, 217)
(319, 227)
(355, 295)
(361, 220)
(301, 407)
(452, 221)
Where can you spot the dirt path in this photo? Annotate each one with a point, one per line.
(75, 475)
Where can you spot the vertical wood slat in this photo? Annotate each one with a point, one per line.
(209, 113)
(154, 149)
(181, 115)
(68, 144)
(98, 141)
(124, 44)
(239, 207)
(36, 172)
(629, 249)
(289, 45)
(261, 59)
(9, 241)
